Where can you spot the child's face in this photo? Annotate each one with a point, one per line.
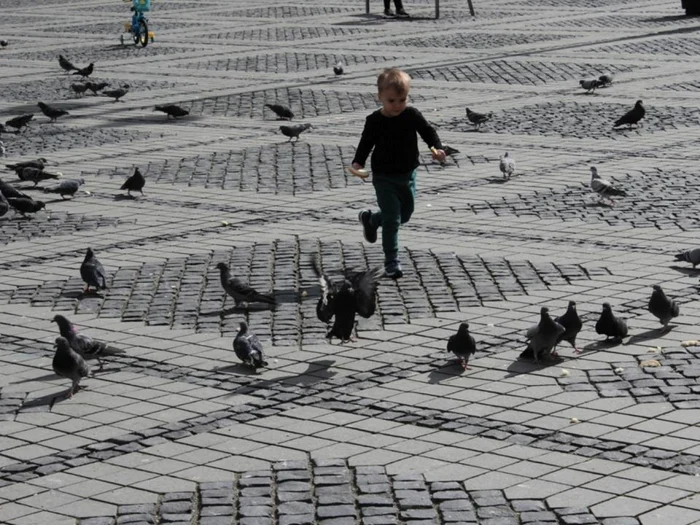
(393, 103)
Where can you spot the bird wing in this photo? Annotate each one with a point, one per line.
(365, 285)
(600, 185)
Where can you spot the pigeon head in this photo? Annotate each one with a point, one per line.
(594, 172)
(243, 327)
(657, 288)
(64, 325)
(607, 307)
(62, 344)
(581, 82)
(40, 205)
(638, 104)
(572, 305)
(89, 254)
(544, 310)
(81, 181)
(464, 328)
(505, 155)
(222, 267)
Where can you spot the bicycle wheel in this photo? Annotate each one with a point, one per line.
(141, 36)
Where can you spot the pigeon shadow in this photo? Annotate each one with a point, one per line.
(316, 371)
(497, 180)
(599, 345)
(124, 197)
(597, 204)
(47, 377)
(648, 335)
(525, 366)
(669, 18)
(578, 94)
(690, 272)
(451, 368)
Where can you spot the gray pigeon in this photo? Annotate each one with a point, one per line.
(604, 188)
(10, 191)
(589, 85)
(135, 182)
(248, 347)
(605, 80)
(79, 89)
(66, 187)
(84, 345)
(68, 364)
(341, 301)
(4, 205)
(283, 112)
(542, 338)
(611, 326)
(662, 307)
(294, 131)
(462, 345)
(691, 256)
(25, 205)
(478, 118)
(240, 291)
(17, 167)
(116, 94)
(172, 110)
(36, 175)
(92, 272)
(338, 69)
(572, 325)
(507, 166)
(52, 112)
(633, 116)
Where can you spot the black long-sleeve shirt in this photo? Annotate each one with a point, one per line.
(394, 141)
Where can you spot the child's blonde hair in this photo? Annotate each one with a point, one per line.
(394, 78)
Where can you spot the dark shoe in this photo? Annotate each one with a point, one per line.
(388, 12)
(393, 270)
(369, 231)
(402, 13)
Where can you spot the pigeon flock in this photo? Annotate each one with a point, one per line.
(341, 299)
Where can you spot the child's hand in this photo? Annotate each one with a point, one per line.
(439, 155)
(357, 166)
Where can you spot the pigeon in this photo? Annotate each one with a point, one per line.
(294, 131)
(86, 71)
(338, 69)
(65, 64)
(96, 86)
(355, 295)
(51, 112)
(25, 205)
(572, 326)
(478, 118)
(66, 187)
(611, 326)
(36, 175)
(39, 164)
(589, 85)
(4, 43)
(3, 151)
(92, 272)
(67, 363)
(20, 122)
(462, 345)
(283, 112)
(543, 337)
(248, 347)
(605, 80)
(84, 345)
(603, 187)
(12, 192)
(691, 256)
(662, 307)
(4, 205)
(240, 291)
(507, 166)
(79, 89)
(633, 116)
(116, 94)
(171, 110)
(134, 183)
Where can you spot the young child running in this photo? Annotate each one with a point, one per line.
(391, 131)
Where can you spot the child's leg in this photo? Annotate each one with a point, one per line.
(407, 196)
(389, 216)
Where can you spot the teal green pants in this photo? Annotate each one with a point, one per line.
(396, 195)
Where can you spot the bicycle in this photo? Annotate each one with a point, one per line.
(138, 27)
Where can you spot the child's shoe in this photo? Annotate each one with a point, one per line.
(402, 13)
(388, 12)
(392, 270)
(369, 231)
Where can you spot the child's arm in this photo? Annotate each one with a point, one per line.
(430, 137)
(364, 147)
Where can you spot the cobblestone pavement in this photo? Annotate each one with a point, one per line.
(388, 429)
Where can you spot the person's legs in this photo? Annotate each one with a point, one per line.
(387, 7)
(407, 196)
(400, 11)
